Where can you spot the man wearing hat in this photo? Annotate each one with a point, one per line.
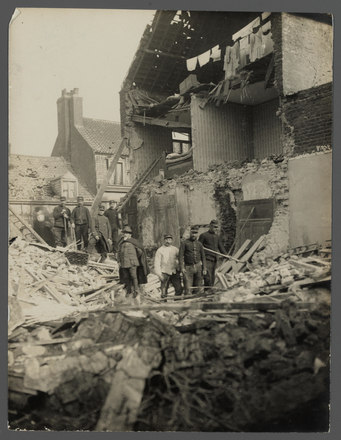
(101, 234)
(211, 240)
(192, 261)
(166, 265)
(132, 260)
(61, 215)
(115, 223)
(80, 220)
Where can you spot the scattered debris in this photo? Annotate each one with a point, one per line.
(249, 354)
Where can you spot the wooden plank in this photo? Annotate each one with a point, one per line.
(222, 280)
(43, 342)
(248, 254)
(160, 122)
(27, 226)
(21, 284)
(307, 266)
(225, 267)
(113, 285)
(107, 177)
(261, 306)
(55, 295)
(39, 284)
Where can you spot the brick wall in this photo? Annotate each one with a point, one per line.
(308, 119)
(276, 30)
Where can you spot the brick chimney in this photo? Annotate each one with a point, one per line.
(76, 108)
(70, 113)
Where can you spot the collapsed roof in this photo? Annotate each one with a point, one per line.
(159, 65)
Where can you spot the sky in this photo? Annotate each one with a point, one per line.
(55, 49)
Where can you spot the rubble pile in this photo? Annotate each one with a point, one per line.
(249, 354)
(48, 287)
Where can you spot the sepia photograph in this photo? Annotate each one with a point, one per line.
(169, 220)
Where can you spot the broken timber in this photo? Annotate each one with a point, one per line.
(159, 122)
(137, 184)
(107, 177)
(28, 227)
(261, 306)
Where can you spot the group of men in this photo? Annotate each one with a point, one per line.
(196, 260)
(100, 233)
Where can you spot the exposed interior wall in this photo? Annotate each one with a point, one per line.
(251, 181)
(83, 160)
(219, 133)
(156, 140)
(310, 180)
(267, 130)
(309, 45)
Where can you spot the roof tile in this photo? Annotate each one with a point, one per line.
(29, 177)
(102, 136)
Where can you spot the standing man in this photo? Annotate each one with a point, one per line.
(115, 224)
(61, 215)
(101, 234)
(80, 221)
(211, 240)
(166, 266)
(133, 263)
(192, 261)
(128, 262)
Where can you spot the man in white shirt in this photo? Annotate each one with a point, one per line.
(166, 266)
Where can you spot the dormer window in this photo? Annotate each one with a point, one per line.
(66, 185)
(69, 189)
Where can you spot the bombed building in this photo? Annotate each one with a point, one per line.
(226, 120)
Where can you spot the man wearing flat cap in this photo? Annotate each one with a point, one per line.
(166, 265)
(80, 221)
(192, 261)
(115, 223)
(132, 260)
(211, 241)
(61, 215)
(100, 234)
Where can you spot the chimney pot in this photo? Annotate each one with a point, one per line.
(75, 91)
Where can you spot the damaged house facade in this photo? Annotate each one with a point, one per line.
(237, 108)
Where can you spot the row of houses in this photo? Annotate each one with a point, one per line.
(236, 108)
(80, 158)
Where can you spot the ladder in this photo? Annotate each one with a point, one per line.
(137, 184)
(28, 233)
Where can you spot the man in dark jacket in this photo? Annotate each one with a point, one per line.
(80, 221)
(133, 263)
(61, 215)
(43, 226)
(115, 223)
(192, 261)
(100, 234)
(211, 240)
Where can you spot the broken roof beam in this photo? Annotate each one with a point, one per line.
(164, 54)
(160, 122)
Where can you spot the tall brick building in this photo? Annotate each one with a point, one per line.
(252, 93)
(89, 145)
